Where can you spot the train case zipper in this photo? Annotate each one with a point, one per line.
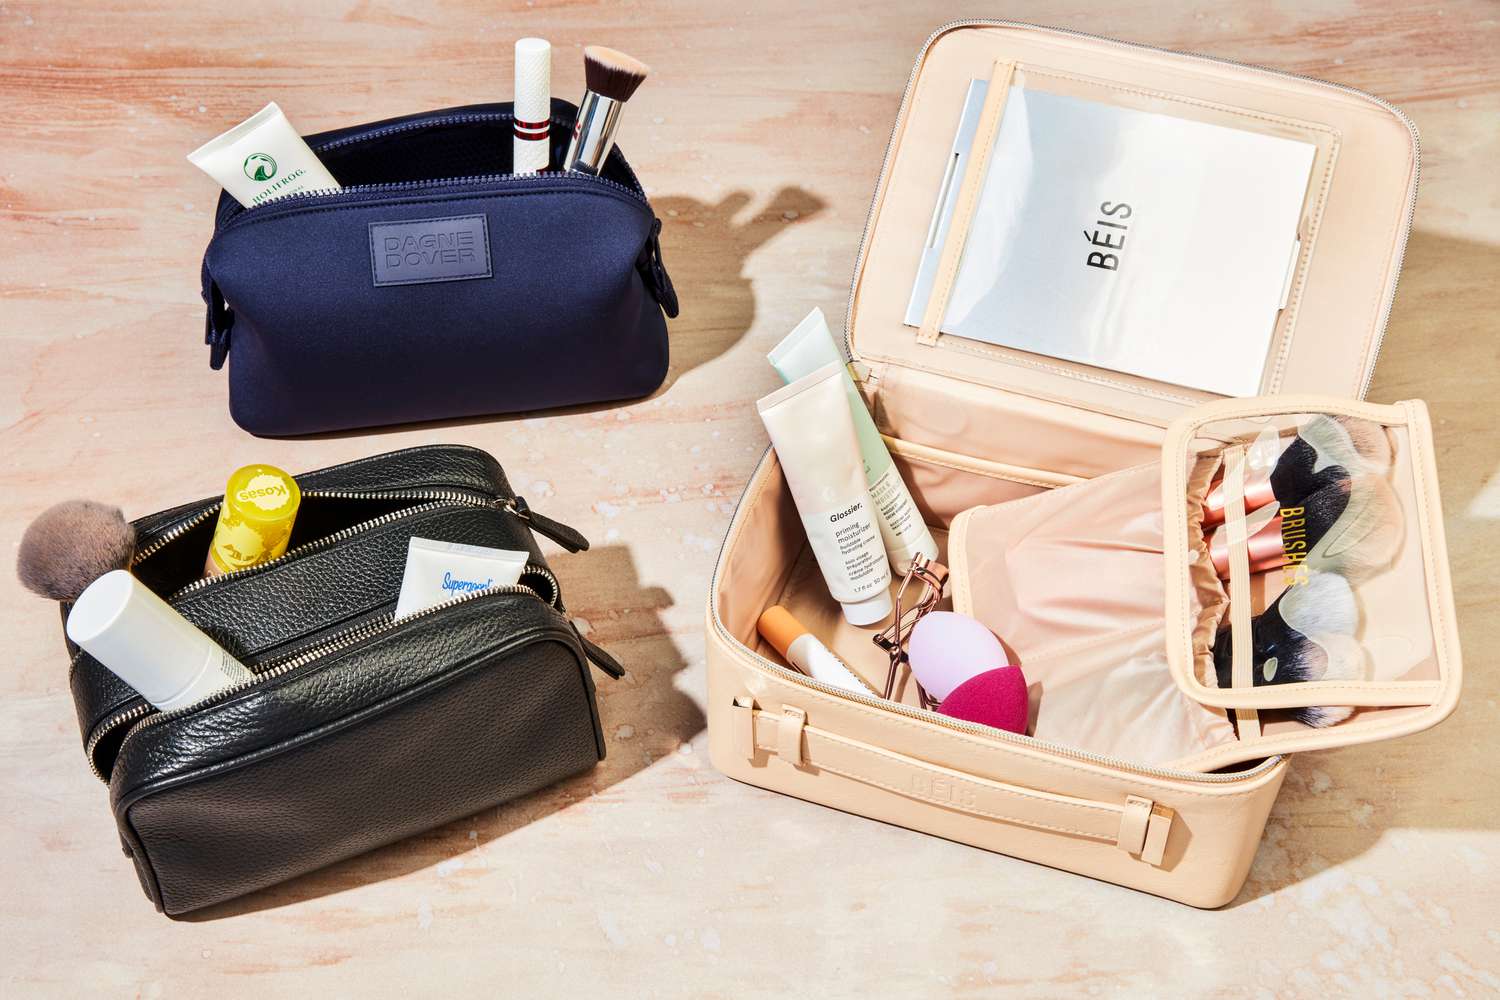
(753, 659)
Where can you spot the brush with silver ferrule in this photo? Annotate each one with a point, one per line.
(612, 78)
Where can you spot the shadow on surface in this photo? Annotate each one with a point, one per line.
(706, 251)
(1337, 804)
(602, 590)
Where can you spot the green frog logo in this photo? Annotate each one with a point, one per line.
(260, 167)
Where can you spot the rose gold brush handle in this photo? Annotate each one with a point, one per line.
(1258, 494)
(1265, 544)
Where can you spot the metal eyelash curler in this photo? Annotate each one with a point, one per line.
(892, 639)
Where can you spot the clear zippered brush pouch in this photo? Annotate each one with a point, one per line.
(1278, 582)
(358, 728)
(436, 283)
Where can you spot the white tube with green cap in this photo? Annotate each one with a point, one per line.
(809, 347)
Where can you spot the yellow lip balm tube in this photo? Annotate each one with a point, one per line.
(255, 519)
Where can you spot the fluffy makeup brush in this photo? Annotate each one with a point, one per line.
(613, 78)
(1307, 634)
(1363, 536)
(1324, 445)
(72, 544)
(1325, 450)
(1351, 526)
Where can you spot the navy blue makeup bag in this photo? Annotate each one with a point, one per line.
(436, 284)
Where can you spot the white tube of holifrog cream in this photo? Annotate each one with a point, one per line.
(810, 346)
(437, 572)
(812, 431)
(263, 158)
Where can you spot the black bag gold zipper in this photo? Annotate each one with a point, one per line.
(569, 538)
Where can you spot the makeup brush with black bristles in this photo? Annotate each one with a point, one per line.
(613, 78)
(1307, 634)
(1351, 526)
(1325, 450)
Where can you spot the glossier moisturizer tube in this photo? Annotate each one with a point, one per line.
(812, 431)
(263, 158)
(810, 346)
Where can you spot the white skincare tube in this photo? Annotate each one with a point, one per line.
(263, 158)
(813, 433)
(437, 572)
(803, 650)
(810, 346)
(531, 129)
(155, 650)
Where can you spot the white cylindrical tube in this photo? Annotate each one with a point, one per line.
(155, 650)
(810, 346)
(531, 142)
(813, 432)
(263, 158)
(438, 572)
(803, 650)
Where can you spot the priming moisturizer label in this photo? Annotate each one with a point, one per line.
(423, 250)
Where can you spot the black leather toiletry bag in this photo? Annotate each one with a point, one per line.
(437, 283)
(358, 731)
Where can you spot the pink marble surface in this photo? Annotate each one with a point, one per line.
(760, 137)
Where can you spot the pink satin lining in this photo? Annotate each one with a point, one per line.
(1073, 581)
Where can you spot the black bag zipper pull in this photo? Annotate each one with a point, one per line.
(560, 533)
(600, 658)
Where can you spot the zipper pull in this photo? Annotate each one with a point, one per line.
(599, 657)
(560, 533)
(218, 319)
(654, 270)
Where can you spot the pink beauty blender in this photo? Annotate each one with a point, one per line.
(947, 648)
(994, 698)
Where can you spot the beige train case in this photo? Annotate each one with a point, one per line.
(1067, 499)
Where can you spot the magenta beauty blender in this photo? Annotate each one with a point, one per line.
(994, 698)
(947, 648)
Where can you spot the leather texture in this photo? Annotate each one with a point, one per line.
(98, 693)
(452, 716)
(567, 308)
(362, 730)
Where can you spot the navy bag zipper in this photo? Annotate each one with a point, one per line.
(219, 317)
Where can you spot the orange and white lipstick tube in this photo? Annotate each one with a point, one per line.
(531, 141)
